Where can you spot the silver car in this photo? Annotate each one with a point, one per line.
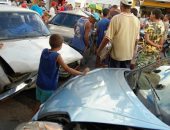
(64, 22)
(23, 36)
(113, 98)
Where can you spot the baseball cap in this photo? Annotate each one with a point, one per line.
(53, 3)
(24, 5)
(127, 2)
(95, 16)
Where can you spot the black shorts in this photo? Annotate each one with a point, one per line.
(119, 64)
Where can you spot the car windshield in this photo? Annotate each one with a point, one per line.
(14, 25)
(151, 84)
(65, 19)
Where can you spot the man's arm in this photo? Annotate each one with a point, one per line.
(70, 70)
(151, 42)
(161, 42)
(86, 35)
(102, 45)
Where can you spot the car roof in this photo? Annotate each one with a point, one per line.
(8, 8)
(76, 12)
(105, 96)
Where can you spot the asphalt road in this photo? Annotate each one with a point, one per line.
(17, 109)
(21, 107)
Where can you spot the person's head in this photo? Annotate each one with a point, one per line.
(114, 7)
(105, 12)
(125, 4)
(53, 4)
(113, 11)
(155, 14)
(98, 11)
(134, 11)
(70, 7)
(24, 5)
(56, 41)
(41, 3)
(167, 17)
(94, 18)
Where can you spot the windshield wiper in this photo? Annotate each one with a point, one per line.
(154, 93)
(152, 88)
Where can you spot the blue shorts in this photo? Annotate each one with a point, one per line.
(42, 95)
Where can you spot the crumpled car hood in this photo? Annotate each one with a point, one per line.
(24, 55)
(102, 96)
(63, 31)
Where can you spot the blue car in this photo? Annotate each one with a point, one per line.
(112, 98)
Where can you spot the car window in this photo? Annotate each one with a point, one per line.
(15, 25)
(64, 19)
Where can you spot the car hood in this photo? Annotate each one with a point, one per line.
(63, 31)
(102, 96)
(24, 55)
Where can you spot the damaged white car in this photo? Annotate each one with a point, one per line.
(23, 36)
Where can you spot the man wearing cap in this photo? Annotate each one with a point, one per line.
(82, 31)
(122, 33)
(53, 9)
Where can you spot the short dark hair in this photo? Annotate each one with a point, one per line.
(114, 6)
(168, 16)
(56, 40)
(134, 11)
(157, 13)
(105, 12)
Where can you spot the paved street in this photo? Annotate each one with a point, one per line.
(16, 110)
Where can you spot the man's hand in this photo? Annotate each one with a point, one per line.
(159, 47)
(102, 45)
(86, 70)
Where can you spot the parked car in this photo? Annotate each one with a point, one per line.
(23, 36)
(112, 98)
(6, 2)
(64, 23)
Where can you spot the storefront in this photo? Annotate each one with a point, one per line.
(148, 5)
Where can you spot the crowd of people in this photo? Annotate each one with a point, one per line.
(40, 7)
(118, 27)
